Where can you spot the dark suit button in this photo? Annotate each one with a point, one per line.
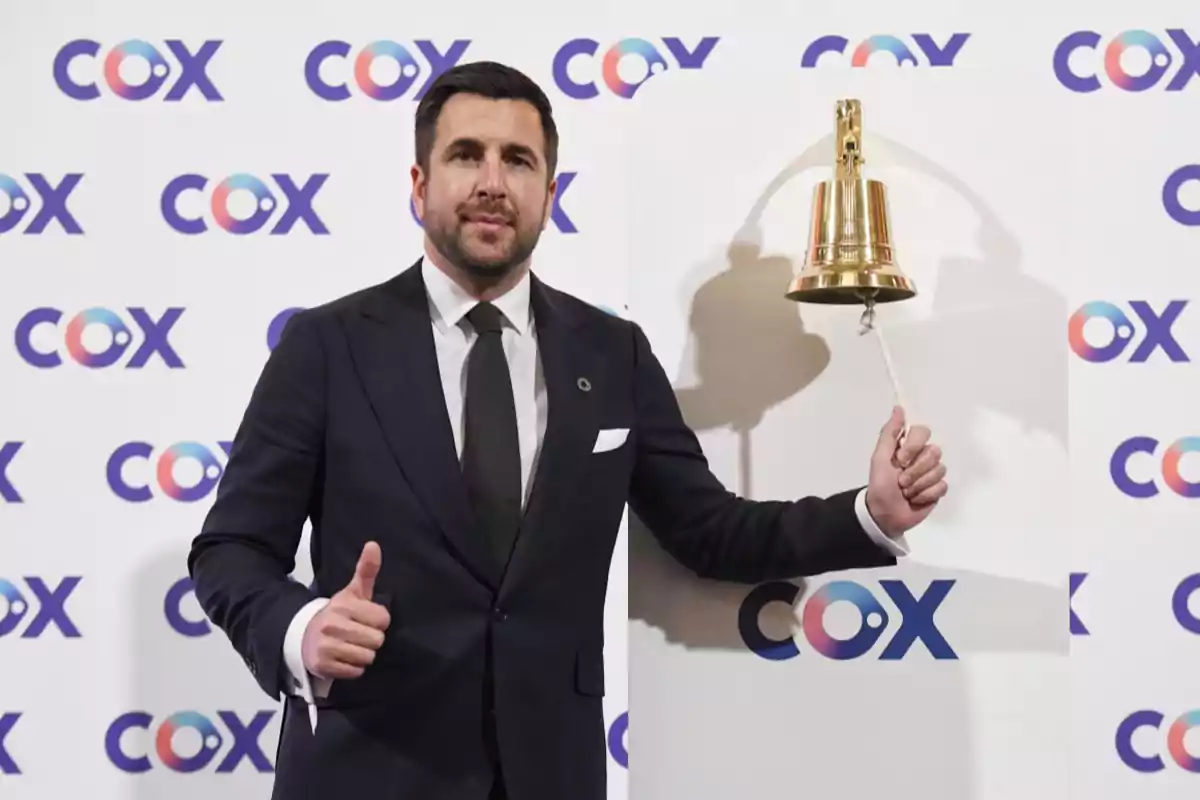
(499, 614)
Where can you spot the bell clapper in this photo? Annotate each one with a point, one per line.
(867, 320)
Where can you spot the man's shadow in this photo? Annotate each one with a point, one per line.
(750, 353)
(183, 663)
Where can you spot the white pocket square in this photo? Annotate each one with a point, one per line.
(610, 439)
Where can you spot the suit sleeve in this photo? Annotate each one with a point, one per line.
(242, 559)
(714, 532)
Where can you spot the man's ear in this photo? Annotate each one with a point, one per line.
(418, 190)
(551, 191)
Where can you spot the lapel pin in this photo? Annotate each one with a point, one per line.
(584, 385)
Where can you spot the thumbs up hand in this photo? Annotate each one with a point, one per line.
(362, 585)
(341, 640)
(907, 477)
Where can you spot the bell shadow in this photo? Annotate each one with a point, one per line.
(734, 315)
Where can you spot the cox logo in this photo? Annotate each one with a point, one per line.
(409, 67)
(173, 611)
(683, 56)
(8, 451)
(935, 55)
(618, 744)
(1148, 718)
(1155, 335)
(8, 721)
(154, 336)
(1188, 587)
(210, 466)
(1161, 59)
(53, 203)
(193, 70)
(1170, 195)
(49, 607)
(916, 620)
(244, 744)
(558, 216)
(275, 329)
(1077, 626)
(1172, 455)
(298, 204)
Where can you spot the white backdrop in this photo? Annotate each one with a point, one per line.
(1017, 198)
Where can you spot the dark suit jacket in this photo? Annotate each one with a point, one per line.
(347, 426)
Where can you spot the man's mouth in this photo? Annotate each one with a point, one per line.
(490, 221)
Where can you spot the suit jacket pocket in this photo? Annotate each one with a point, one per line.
(609, 440)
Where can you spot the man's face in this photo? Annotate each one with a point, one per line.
(485, 198)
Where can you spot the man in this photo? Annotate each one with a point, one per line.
(464, 439)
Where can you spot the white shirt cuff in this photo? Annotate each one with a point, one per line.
(897, 547)
(303, 684)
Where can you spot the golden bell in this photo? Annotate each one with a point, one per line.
(849, 258)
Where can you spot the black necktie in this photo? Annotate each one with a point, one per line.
(491, 451)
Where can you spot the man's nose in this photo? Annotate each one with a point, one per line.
(491, 178)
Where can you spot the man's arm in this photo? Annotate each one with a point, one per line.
(714, 532)
(897, 546)
(241, 561)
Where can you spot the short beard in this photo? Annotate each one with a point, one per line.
(449, 242)
(450, 245)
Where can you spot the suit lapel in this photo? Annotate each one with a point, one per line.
(392, 345)
(569, 368)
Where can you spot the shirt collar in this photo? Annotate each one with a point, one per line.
(451, 302)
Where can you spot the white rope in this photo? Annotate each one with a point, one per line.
(870, 322)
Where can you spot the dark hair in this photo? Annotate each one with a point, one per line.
(486, 79)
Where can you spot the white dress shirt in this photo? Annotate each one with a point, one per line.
(453, 337)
